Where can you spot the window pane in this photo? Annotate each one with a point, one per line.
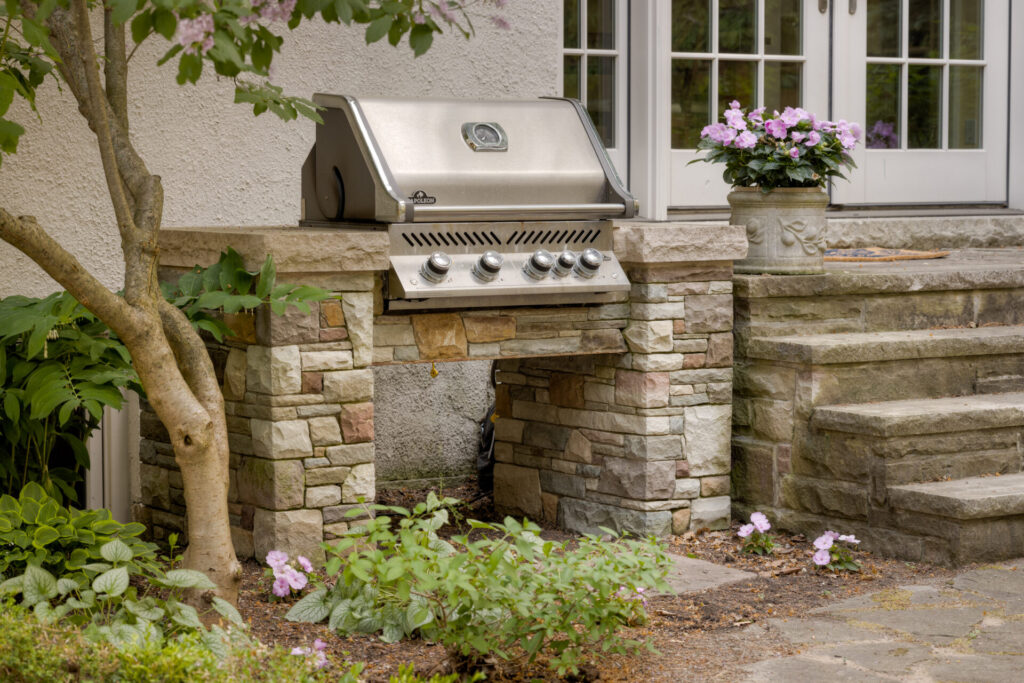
(691, 25)
(601, 96)
(965, 29)
(571, 76)
(782, 27)
(601, 24)
(691, 101)
(883, 106)
(884, 28)
(736, 81)
(782, 87)
(965, 90)
(571, 23)
(737, 26)
(925, 39)
(924, 106)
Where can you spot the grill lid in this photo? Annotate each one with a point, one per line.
(402, 160)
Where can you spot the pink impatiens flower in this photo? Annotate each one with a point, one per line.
(281, 588)
(794, 152)
(277, 559)
(776, 128)
(745, 530)
(745, 140)
(760, 522)
(734, 117)
(295, 579)
(813, 138)
(305, 564)
(821, 558)
(849, 538)
(823, 542)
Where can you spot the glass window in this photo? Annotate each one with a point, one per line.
(590, 62)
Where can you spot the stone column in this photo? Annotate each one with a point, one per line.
(636, 441)
(298, 387)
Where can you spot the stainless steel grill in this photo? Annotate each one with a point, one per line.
(486, 203)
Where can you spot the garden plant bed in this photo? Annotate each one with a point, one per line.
(700, 636)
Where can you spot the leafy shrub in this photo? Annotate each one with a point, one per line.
(35, 529)
(59, 367)
(510, 593)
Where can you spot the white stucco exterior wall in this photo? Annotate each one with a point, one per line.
(222, 166)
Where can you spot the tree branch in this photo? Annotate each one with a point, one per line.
(192, 356)
(25, 234)
(115, 68)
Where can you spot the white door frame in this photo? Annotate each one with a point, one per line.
(114, 459)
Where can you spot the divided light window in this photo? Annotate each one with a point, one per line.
(590, 61)
(724, 50)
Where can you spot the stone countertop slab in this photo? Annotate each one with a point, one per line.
(676, 242)
(295, 249)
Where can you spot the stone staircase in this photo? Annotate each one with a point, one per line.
(887, 400)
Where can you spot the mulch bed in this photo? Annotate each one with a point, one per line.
(699, 636)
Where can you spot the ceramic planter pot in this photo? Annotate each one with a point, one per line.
(785, 229)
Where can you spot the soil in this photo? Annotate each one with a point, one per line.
(703, 636)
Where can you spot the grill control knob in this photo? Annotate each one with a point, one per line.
(488, 265)
(564, 264)
(589, 262)
(437, 266)
(540, 264)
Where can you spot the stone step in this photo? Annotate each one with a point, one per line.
(923, 416)
(874, 347)
(970, 287)
(963, 499)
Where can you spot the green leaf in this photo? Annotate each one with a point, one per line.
(12, 586)
(38, 585)
(188, 578)
(378, 28)
(311, 609)
(44, 536)
(228, 611)
(187, 616)
(420, 39)
(65, 586)
(267, 277)
(122, 9)
(116, 551)
(113, 582)
(141, 26)
(190, 68)
(164, 22)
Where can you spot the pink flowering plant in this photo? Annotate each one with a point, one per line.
(756, 540)
(833, 552)
(791, 149)
(287, 578)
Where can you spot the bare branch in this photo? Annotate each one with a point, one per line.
(192, 356)
(25, 234)
(115, 68)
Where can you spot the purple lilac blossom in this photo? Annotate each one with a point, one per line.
(760, 522)
(823, 542)
(305, 564)
(277, 559)
(745, 530)
(776, 128)
(198, 30)
(745, 140)
(822, 557)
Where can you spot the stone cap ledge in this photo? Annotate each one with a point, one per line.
(295, 249)
(970, 498)
(678, 242)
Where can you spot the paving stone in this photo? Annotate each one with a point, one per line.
(820, 631)
(640, 480)
(975, 669)
(940, 626)
(808, 669)
(887, 657)
(688, 575)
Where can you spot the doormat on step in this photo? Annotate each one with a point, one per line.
(879, 254)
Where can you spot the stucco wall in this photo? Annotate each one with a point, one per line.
(222, 166)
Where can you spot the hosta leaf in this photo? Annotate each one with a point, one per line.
(38, 585)
(116, 551)
(187, 616)
(188, 578)
(312, 608)
(228, 611)
(12, 586)
(44, 536)
(65, 586)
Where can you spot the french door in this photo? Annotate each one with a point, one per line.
(926, 79)
(771, 53)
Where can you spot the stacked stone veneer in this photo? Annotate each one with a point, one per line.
(615, 414)
(637, 441)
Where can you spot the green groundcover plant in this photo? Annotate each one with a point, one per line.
(791, 149)
(504, 593)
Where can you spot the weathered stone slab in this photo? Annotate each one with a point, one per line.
(440, 335)
(348, 386)
(517, 489)
(488, 328)
(924, 416)
(234, 375)
(281, 439)
(971, 498)
(357, 422)
(641, 389)
(649, 336)
(273, 484)
(296, 532)
(642, 480)
(708, 430)
(273, 370)
(689, 575)
(360, 484)
(588, 517)
(324, 431)
(358, 308)
(350, 454)
(678, 242)
(712, 513)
